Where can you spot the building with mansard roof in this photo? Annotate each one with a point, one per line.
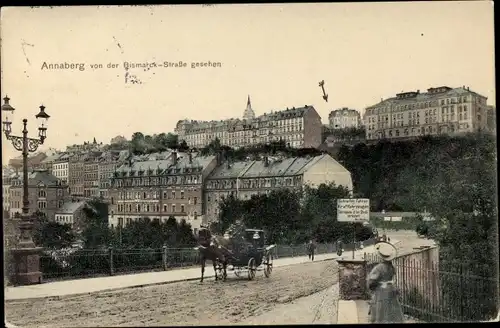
(46, 193)
(246, 178)
(160, 188)
(299, 127)
(441, 110)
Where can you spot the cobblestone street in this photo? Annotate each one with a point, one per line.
(187, 303)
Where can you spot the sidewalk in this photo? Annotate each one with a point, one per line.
(92, 285)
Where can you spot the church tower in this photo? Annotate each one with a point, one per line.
(248, 114)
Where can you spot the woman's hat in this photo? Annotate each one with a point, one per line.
(386, 250)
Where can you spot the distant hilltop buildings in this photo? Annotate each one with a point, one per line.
(298, 127)
(344, 118)
(441, 110)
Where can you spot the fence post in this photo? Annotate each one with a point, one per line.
(402, 285)
(111, 261)
(164, 257)
(461, 292)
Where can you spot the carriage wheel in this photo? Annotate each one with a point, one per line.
(268, 265)
(252, 268)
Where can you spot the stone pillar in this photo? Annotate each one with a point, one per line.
(27, 266)
(352, 279)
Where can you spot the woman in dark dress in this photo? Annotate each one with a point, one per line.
(384, 306)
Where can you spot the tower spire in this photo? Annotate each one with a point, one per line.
(248, 114)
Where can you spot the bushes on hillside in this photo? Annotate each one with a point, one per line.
(293, 217)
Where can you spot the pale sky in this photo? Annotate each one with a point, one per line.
(275, 53)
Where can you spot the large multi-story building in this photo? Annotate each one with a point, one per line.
(46, 193)
(246, 178)
(492, 119)
(60, 167)
(91, 175)
(108, 163)
(441, 110)
(298, 127)
(159, 189)
(76, 173)
(344, 118)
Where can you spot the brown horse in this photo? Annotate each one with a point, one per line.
(210, 250)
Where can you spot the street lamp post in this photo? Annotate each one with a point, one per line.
(26, 255)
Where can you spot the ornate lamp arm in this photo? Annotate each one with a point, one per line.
(17, 142)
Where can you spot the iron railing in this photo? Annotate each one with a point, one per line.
(67, 264)
(431, 291)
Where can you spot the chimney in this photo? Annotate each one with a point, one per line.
(418, 91)
(266, 161)
(174, 158)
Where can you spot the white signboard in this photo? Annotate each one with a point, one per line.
(387, 218)
(397, 218)
(353, 210)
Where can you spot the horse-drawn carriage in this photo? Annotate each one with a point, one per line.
(242, 250)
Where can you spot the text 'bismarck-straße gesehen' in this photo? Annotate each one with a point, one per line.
(167, 64)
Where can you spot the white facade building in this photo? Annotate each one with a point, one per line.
(441, 110)
(60, 168)
(344, 118)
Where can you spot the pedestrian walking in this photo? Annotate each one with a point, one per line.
(339, 247)
(310, 249)
(384, 305)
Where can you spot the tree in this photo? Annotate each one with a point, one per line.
(185, 237)
(170, 229)
(230, 210)
(214, 147)
(138, 143)
(57, 236)
(172, 141)
(96, 232)
(39, 222)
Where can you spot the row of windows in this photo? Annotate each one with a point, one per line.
(428, 120)
(203, 131)
(153, 208)
(255, 183)
(62, 166)
(64, 218)
(156, 195)
(420, 105)
(418, 131)
(254, 134)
